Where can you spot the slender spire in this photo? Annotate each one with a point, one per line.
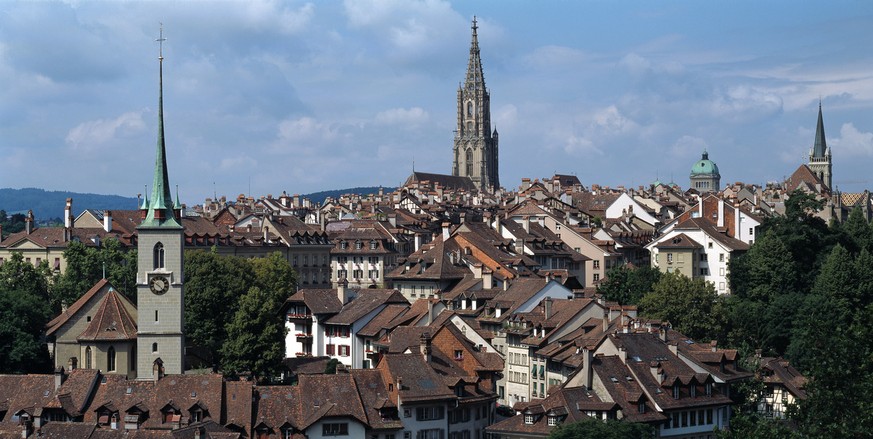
(475, 78)
(820, 148)
(161, 206)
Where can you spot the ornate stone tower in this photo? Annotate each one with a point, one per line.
(160, 272)
(820, 155)
(705, 176)
(475, 149)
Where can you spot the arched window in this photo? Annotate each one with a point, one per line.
(470, 127)
(88, 357)
(469, 162)
(154, 347)
(110, 359)
(159, 255)
(469, 108)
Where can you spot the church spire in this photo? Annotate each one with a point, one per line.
(160, 210)
(820, 148)
(475, 78)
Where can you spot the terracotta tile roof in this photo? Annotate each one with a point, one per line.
(780, 371)
(65, 316)
(419, 381)
(374, 396)
(444, 180)
(238, 404)
(381, 321)
(712, 232)
(111, 322)
(625, 390)
(29, 393)
(278, 406)
(680, 241)
(802, 178)
(319, 301)
(329, 396)
(367, 300)
(568, 404)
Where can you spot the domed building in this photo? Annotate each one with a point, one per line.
(705, 176)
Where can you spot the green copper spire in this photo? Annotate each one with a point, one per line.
(160, 213)
(178, 204)
(820, 148)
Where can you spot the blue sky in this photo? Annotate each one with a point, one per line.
(302, 97)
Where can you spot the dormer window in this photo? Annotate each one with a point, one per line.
(693, 388)
(529, 419)
(708, 388)
(553, 420)
(344, 245)
(459, 354)
(675, 391)
(359, 245)
(373, 245)
(641, 406)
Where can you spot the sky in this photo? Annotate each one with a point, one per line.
(262, 97)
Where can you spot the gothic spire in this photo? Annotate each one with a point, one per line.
(820, 148)
(475, 78)
(160, 211)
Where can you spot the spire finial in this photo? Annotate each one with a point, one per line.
(160, 41)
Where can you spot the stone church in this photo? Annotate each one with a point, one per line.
(475, 148)
(103, 329)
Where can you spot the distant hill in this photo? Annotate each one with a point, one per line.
(50, 204)
(319, 197)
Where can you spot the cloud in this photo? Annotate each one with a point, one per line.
(402, 116)
(610, 121)
(687, 146)
(580, 146)
(95, 134)
(744, 103)
(853, 142)
(304, 135)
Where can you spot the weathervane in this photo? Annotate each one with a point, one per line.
(160, 41)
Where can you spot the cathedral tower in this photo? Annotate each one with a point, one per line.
(820, 155)
(160, 273)
(475, 148)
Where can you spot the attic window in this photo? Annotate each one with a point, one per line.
(359, 245)
(459, 354)
(529, 419)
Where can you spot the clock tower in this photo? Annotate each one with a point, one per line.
(160, 271)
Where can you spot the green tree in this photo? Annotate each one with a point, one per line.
(213, 286)
(255, 337)
(275, 276)
(597, 429)
(87, 265)
(767, 270)
(627, 285)
(857, 230)
(691, 305)
(24, 312)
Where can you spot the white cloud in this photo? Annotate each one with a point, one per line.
(687, 146)
(611, 121)
(277, 14)
(853, 142)
(92, 135)
(402, 116)
(580, 146)
(744, 103)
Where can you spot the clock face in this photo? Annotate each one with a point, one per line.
(159, 284)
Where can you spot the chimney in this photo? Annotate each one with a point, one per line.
(674, 348)
(68, 214)
(525, 221)
(622, 354)
(713, 345)
(587, 369)
(424, 344)
(662, 333)
(445, 232)
(720, 222)
(180, 212)
(266, 230)
(605, 320)
(525, 183)
(487, 278)
(341, 290)
(107, 220)
(547, 307)
(654, 367)
(59, 377)
(28, 222)
(429, 312)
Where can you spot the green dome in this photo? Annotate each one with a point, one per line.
(705, 166)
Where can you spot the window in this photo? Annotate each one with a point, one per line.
(429, 413)
(708, 389)
(110, 359)
(675, 391)
(528, 419)
(721, 257)
(553, 421)
(641, 407)
(704, 271)
(373, 245)
(88, 357)
(330, 349)
(469, 108)
(154, 347)
(469, 162)
(359, 245)
(751, 231)
(156, 316)
(459, 354)
(158, 256)
(344, 245)
(431, 433)
(596, 277)
(373, 274)
(357, 274)
(294, 260)
(596, 264)
(335, 429)
(703, 257)
(670, 257)
(709, 245)
(343, 350)
(342, 259)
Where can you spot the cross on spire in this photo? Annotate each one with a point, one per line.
(160, 41)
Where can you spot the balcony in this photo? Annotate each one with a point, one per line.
(296, 316)
(303, 336)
